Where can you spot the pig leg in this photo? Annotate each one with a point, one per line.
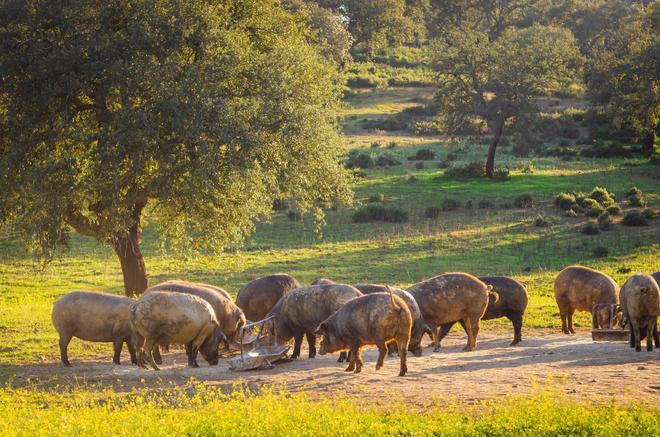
(353, 355)
(471, 342)
(189, 354)
(403, 352)
(634, 325)
(563, 313)
(649, 336)
(440, 334)
(149, 345)
(131, 350)
(297, 342)
(117, 343)
(569, 317)
(311, 343)
(343, 356)
(382, 351)
(157, 356)
(65, 339)
(516, 321)
(358, 360)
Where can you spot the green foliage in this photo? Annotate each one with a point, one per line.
(602, 196)
(376, 212)
(432, 212)
(422, 155)
(387, 160)
(199, 116)
(648, 213)
(450, 204)
(542, 221)
(604, 221)
(600, 252)
(470, 170)
(614, 210)
(359, 160)
(635, 197)
(376, 198)
(634, 218)
(565, 201)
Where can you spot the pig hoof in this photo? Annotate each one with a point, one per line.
(468, 349)
(379, 366)
(349, 369)
(402, 373)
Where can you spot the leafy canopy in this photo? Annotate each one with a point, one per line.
(202, 112)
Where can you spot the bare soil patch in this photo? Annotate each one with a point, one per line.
(573, 364)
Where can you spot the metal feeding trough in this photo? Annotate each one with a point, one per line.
(611, 333)
(258, 350)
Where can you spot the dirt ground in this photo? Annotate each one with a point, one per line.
(573, 364)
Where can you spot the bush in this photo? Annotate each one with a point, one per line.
(450, 204)
(391, 145)
(471, 170)
(600, 252)
(589, 203)
(604, 220)
(602, 196)
(294, 216)
(432, 212)
(280, 205)
(579, 197)
(614, 210)
(571, 213)
(501, 174)
(527, 168)
(422, 155)
(419, 165)
(410, 179)
(590, 228)
(424, 127)
(600, 149)
(634, 218)
(593, 212)
(648, 213)
(485, 204)
(523, 201)
(375, 145)
(468, 204)
(543, 221)
(565, 151)
(635, 197)
(565, 201)
(376, 198)
(387, 160)
(443, 164)
(359, 160)
(376, 212)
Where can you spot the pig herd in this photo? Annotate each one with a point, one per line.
(205, 319)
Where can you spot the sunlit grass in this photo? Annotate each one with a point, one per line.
(196, 409)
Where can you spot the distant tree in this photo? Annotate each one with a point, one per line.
(623, 76)
(197, 114)
(498, 81)
(328, 30)
(377, 24)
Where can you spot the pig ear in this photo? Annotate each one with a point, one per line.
(321, 329)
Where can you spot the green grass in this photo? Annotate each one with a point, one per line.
(196, 409)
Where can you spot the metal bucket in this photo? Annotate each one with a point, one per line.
(259, 356)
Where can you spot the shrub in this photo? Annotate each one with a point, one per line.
(410, 179)
(589, 203)
(432, 212)
(387, 160)
(593, 212)
(604, 220)
(375, 145)
(565, 200)
(376, 212)
(543, 221)
(648, 213)
(577, 209)
(571, 213)
(359, 160)
(419, 165)
(565, 151)
(635, 197)
(424, 127)
(634, 218)
(600, 252)
(391, 145)
(590, 228)
(471, 170)
(443, 164)
(527, 168)
(424, 155)
(359, 174)
(579, 197)
(602, 196)
(450, 204)
(523, 201)
(451, 157)
(501, 174)
(485, 204)
(612, 150)
(468, 204)
(294, 216)
(614, 210)
(376, 198)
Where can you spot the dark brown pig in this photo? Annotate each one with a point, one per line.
(164, 317)
(258, 297)
(580, 288)
(299, 312)
(94, 316)
(378, 319)
(419, 326)
(640, 301)
(606, 316)
(453, 297)
(322, 281)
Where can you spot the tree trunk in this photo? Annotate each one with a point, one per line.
(130, 256)
(490, 162)
(648, 143)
